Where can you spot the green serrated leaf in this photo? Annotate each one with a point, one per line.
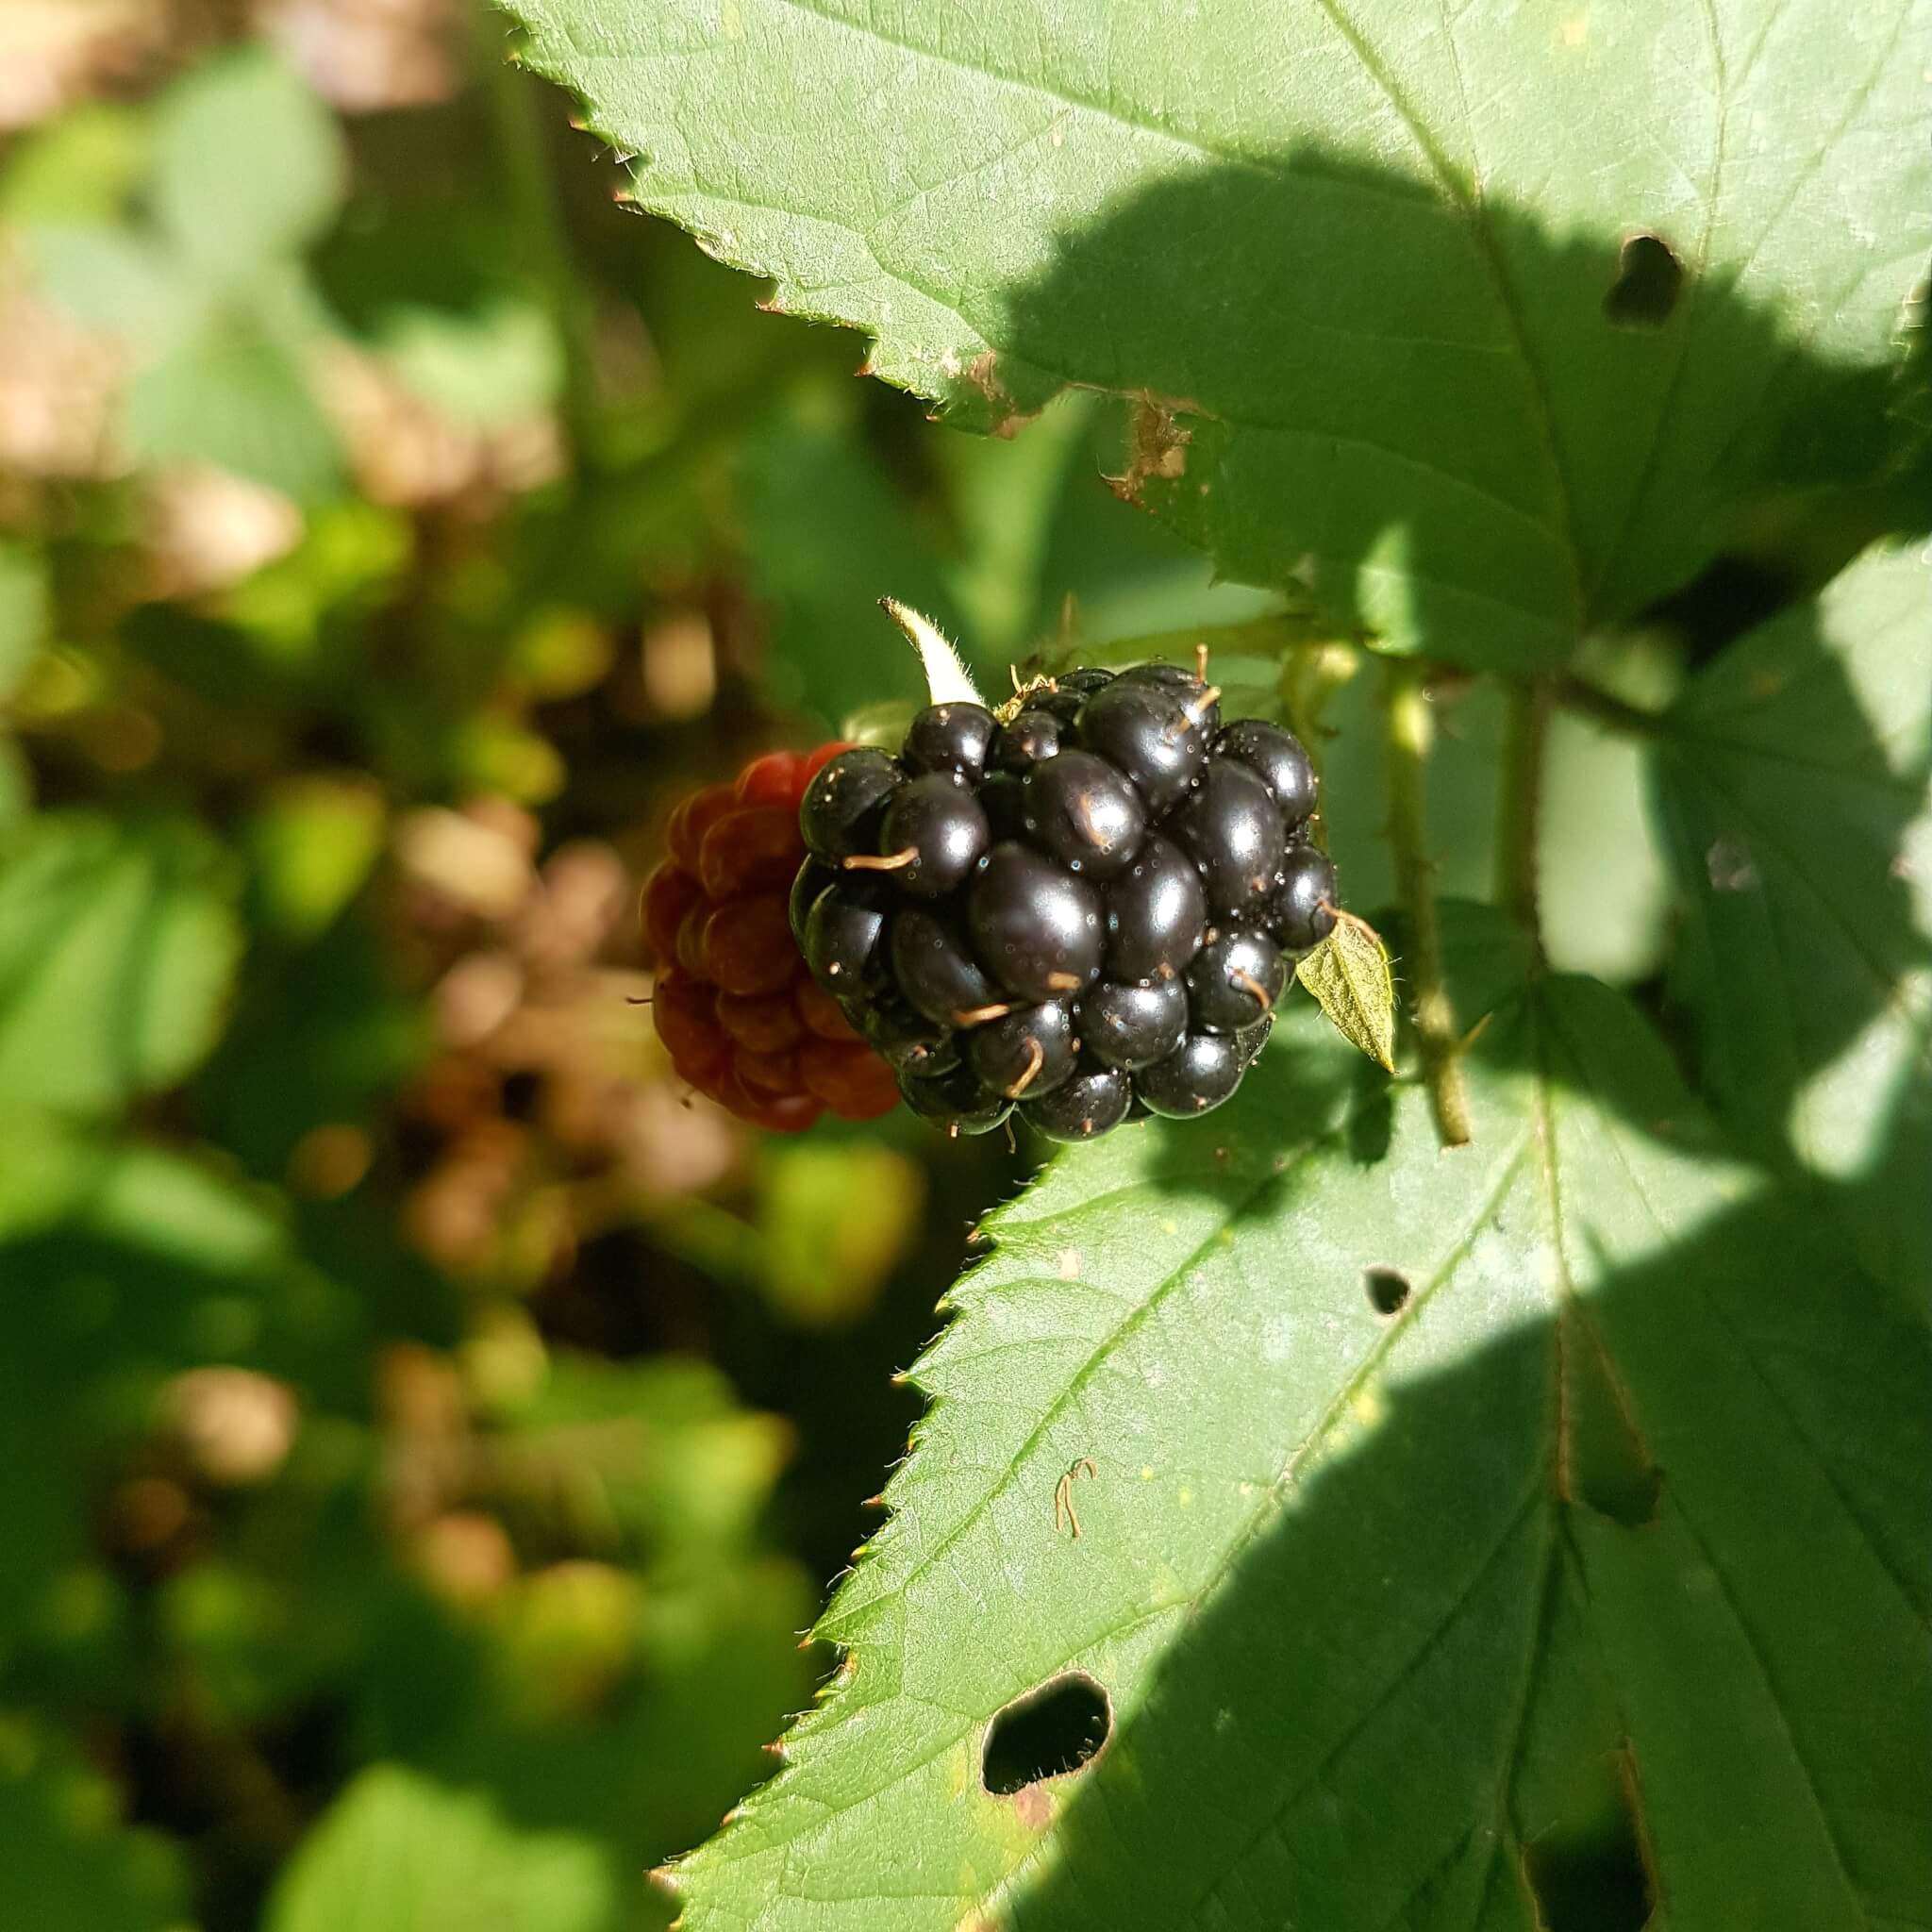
(399, 1853)
(1483, 328)
(1793, 784)
(117, 946)
(1456, 1531)
(1350, 978)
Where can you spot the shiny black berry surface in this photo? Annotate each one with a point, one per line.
(844, 932)
(844, 805)
(1145, 733)
(1298, 911)
(1029, 1053)
(1279, 759)
(1232, 830)
(1198, 1075)
(1037, 928)
(1079, 911)
(1235, 980)
(1132, 1025)
(1156, 913)
(1092, 1103)
(933, 967)
(1081, 812)
(950, 738)
(1030, 738)
(934, 836)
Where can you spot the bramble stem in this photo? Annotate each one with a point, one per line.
(1260, 637)
(511, 99)
(1587, 701)
(1519, 805)
(1410, 732)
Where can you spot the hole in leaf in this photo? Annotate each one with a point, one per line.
(1594, 1883)
(1649, 280)
(1387, 1289)
(1044, 1734)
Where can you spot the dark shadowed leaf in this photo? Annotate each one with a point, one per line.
(1483, 326)
(1792, 785)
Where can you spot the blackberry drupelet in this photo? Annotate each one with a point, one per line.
(1083, 909)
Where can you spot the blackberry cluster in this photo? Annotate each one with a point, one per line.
(1087, 907)
(733, 1004)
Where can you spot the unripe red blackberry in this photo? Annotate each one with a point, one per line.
(1085, 907)
(743, 1018)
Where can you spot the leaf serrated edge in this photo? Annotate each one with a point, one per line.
(792, 1749)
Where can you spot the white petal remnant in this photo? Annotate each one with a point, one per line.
(947, 678)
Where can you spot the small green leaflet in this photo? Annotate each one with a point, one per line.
(1348, 973)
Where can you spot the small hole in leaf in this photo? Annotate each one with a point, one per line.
(1387, 1289)
(1590, 1882)
(1044, 1734)
(1649, 280)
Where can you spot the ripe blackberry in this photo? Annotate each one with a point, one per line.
(1026, 1054)
(1300, 913)
(1278, 758)
(743, 1018)
(1087, 907)
(955, 1100)
(1157, 914)
(934, 836)
(842, 808)
(1235, 980)
(1132, 1025)
(1092, 1103)
(1081, 812)
(1232, 830)
(950, 738)
(934, 968)
(1200, 1073)
(1030, 738)
(1144, 732)
(1039, 928)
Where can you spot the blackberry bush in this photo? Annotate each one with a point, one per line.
(1085, 907)
(1479, 1495)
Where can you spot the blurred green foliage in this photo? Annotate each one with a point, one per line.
(422, 1438)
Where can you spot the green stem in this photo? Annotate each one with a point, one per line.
(1519, 805)
(512, 99)
(1574, 694)
(1410, 733)
(1260, 637)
